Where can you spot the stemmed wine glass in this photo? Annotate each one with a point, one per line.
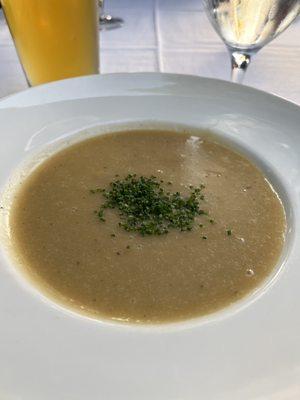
(246, 26)
(106, 20)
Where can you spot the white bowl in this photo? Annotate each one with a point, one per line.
(248, 351)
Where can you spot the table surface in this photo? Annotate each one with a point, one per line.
(173, 36)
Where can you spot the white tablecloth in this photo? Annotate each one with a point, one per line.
(173, 36)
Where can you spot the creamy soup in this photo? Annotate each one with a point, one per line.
(93, 265)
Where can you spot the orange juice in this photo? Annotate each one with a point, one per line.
(55, 39)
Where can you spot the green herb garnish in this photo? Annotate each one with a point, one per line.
(229, 232)
(145, 207)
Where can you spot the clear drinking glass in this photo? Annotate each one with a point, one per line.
(55, 39)
(107, 21)
(246, 26)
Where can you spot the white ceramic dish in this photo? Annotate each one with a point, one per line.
(249, 351)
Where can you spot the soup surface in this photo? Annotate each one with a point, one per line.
(98, 268)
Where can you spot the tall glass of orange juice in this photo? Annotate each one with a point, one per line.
(55, 39)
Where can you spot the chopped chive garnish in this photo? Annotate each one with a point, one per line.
(145, 207)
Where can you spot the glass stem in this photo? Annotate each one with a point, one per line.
(239, 65)
(101, 6)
